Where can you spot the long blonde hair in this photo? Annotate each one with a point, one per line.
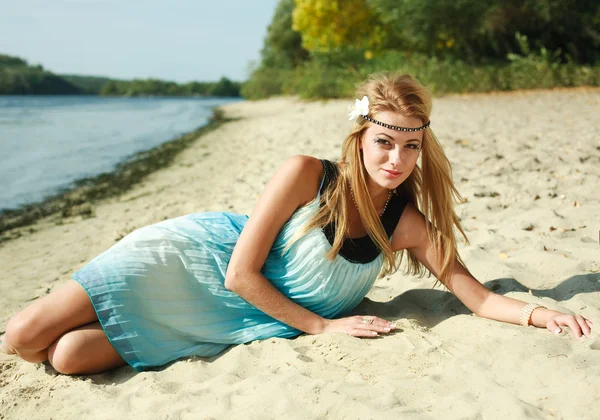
(430, 188)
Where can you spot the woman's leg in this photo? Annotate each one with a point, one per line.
(30, 332)
(84, 350)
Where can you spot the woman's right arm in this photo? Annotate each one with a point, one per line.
(294, 184)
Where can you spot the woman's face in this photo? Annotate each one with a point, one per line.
(390, 156)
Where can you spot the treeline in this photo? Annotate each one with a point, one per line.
(17, 77)
(223, 87)
(90, 85)
(322, 48)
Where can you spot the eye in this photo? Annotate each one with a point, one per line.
(383, 142)
(414, 146)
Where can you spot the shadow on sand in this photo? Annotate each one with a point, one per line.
(430, 307)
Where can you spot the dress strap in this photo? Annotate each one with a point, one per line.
(330, 174)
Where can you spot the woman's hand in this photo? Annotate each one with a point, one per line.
(358, 326)
(579, 325)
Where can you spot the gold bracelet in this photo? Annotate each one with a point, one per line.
(526, 313)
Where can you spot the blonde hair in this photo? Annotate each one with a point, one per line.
(430, 188)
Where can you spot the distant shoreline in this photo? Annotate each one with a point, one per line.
(18, 77)
(77, 198)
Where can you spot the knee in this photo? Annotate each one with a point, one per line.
(64, 356)
(21, 333)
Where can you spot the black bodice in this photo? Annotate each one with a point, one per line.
(361, 250)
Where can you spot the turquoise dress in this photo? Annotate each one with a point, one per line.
(159, 292)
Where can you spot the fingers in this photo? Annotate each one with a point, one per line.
(361, 332)
(578, 325)
(376, 324)
(370, 326)
(553, 327)
(584, 327)
(574, 326)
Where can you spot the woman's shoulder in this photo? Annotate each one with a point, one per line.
(305, 162)
(310, 170)
(306, 166)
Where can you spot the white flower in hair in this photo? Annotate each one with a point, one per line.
(360, 108)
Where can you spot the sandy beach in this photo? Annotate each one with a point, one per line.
(528, 167)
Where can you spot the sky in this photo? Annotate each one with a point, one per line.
(178, 40)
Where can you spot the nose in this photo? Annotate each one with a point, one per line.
(396, 157)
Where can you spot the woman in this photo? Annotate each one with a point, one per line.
(317, 239)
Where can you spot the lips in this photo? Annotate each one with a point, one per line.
(394, 173)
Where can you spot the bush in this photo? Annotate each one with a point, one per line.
(327, 78)
(265, 82)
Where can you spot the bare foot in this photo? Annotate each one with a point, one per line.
(4, 346)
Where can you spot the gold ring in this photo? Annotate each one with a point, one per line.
(367, 320)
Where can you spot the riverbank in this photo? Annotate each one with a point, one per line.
(527, 165)
(81, 198)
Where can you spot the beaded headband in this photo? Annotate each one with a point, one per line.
(362, 108)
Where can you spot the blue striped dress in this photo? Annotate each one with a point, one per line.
(159, 292)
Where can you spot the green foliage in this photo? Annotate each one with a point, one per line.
(224, 87)
(265, 82)
(315, 80)
(281, 53)
(154, 87)
(450, 45)
(320, 79)
(10, 61)
(87, 84)
(327, 24)
(283, 46)
(483, 31)
(17, 77)
(433, 27)
(569, 26)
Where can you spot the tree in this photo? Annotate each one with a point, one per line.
(485, 30)
(433, 27)
(283, 45)
(224, 87)
(571, 27)
(331, 24)
(110, 88)
(10, 61)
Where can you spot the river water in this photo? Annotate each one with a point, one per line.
(47, 142)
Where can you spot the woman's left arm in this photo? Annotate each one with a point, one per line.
(411, 234)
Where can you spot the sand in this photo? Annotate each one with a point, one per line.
(528, 166)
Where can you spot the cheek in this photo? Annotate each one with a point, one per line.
(413, 162)
(409, 167)
(407, 172)
(373, 159)
(374, 153)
